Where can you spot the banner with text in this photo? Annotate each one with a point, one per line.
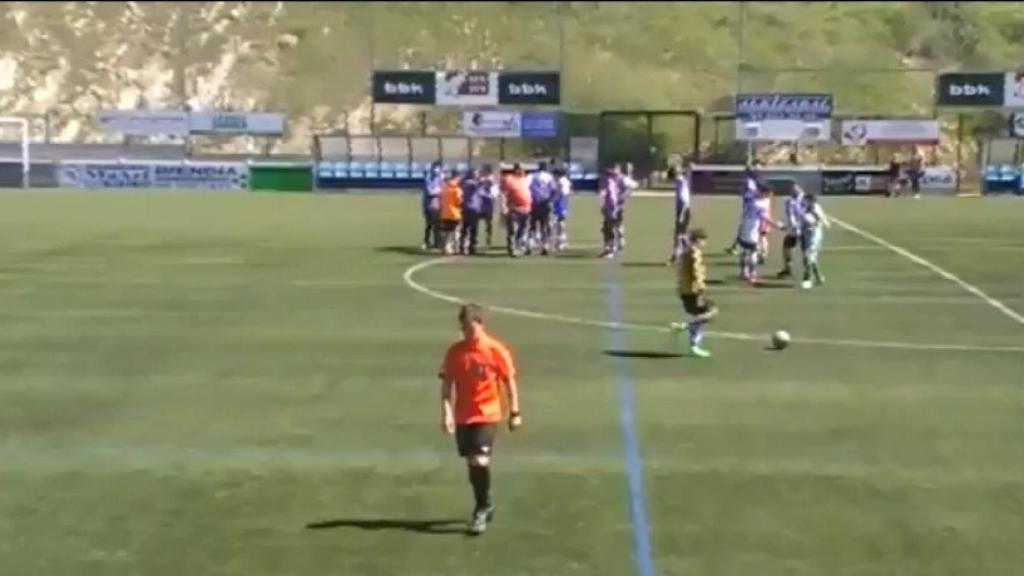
(971, 89)
(529, 88)
(779, 130)
(491, 124)
(862, 132)
(104, 175)
(774, 106)
(215, 175)
(236, 123)
(204, 175)
(467, 88)
(143, 122)
(404, 87)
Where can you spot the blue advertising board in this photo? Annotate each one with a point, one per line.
(539, 125)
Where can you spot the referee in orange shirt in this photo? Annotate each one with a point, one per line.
(475, 368)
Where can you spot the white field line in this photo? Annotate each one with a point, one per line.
(409, 278)
(1006, 310)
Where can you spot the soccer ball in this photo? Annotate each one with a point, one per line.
(780, 339)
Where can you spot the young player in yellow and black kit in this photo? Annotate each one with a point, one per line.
(691, 276)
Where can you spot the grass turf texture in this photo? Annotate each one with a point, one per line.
(189, 381)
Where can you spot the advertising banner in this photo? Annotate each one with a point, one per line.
(143, 122)
(216, 175)
(234, 123)
(466, 88)
(783, 106)
(539, 125)
(105, 175)
(404, 87)
(971, 89)
(939, 178)
(1013, 90)
(1017, 124)
(488, 124)
(783, 130)
(529, 88)
(862, 132)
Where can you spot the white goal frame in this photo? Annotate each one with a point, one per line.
(25, 159)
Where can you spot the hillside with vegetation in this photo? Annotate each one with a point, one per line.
(313, 60)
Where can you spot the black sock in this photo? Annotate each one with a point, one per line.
(480, 479)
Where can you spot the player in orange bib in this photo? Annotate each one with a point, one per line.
(474, 371)
(451, 212)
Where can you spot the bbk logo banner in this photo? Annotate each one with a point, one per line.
(529, 88)
(971, 89)
(404, 87)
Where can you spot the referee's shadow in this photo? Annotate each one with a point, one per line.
(432, 526)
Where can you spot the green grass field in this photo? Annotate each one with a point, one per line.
(188, 381)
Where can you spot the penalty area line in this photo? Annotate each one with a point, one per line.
(409, 278)
(1006, 310)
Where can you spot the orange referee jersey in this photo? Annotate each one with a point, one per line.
(477, 367)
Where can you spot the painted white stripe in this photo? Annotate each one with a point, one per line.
(1006, 310)
(410, 273)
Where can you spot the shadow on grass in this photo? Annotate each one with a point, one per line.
(438, 526)
(661, 264)
(645, 354)
(762, 285)
(407, 250)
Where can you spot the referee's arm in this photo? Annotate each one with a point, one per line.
(447, 415)
(515, 420)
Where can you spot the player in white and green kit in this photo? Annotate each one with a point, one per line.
(815, 221)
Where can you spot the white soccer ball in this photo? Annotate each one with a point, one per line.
(780, 339)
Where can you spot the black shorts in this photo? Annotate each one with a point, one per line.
(449, 225)
(540, 211)
(790, 241)
(683, 222)
(696, 304)
(475, 439)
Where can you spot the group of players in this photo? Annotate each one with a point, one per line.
(478, 367)
(804, 226)
(533, 209)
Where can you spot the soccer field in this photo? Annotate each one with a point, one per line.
(230, 384)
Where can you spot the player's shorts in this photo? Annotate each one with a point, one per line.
(541, 211)
(696, 304)
(812, 246)
(791, 241)
(449, 225)
(746, 244)
(683, 221)
(475, 439)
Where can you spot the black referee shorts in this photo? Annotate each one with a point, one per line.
(475, 439)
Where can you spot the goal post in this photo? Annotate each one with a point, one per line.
(20, 126)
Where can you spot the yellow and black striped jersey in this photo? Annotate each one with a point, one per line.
(691, 273)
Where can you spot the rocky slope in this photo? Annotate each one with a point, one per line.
(312, 60)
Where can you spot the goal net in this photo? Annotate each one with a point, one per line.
(14, 152)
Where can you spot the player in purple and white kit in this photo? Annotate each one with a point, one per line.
(543, 189)
(609, 191)
(750, 193)
(628, 184)
(562, 209)
(431, 206)
(755, 217)
(681, 178)
(794, 224)
(490, 192)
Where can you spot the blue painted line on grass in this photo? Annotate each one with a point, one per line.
(627, 419)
